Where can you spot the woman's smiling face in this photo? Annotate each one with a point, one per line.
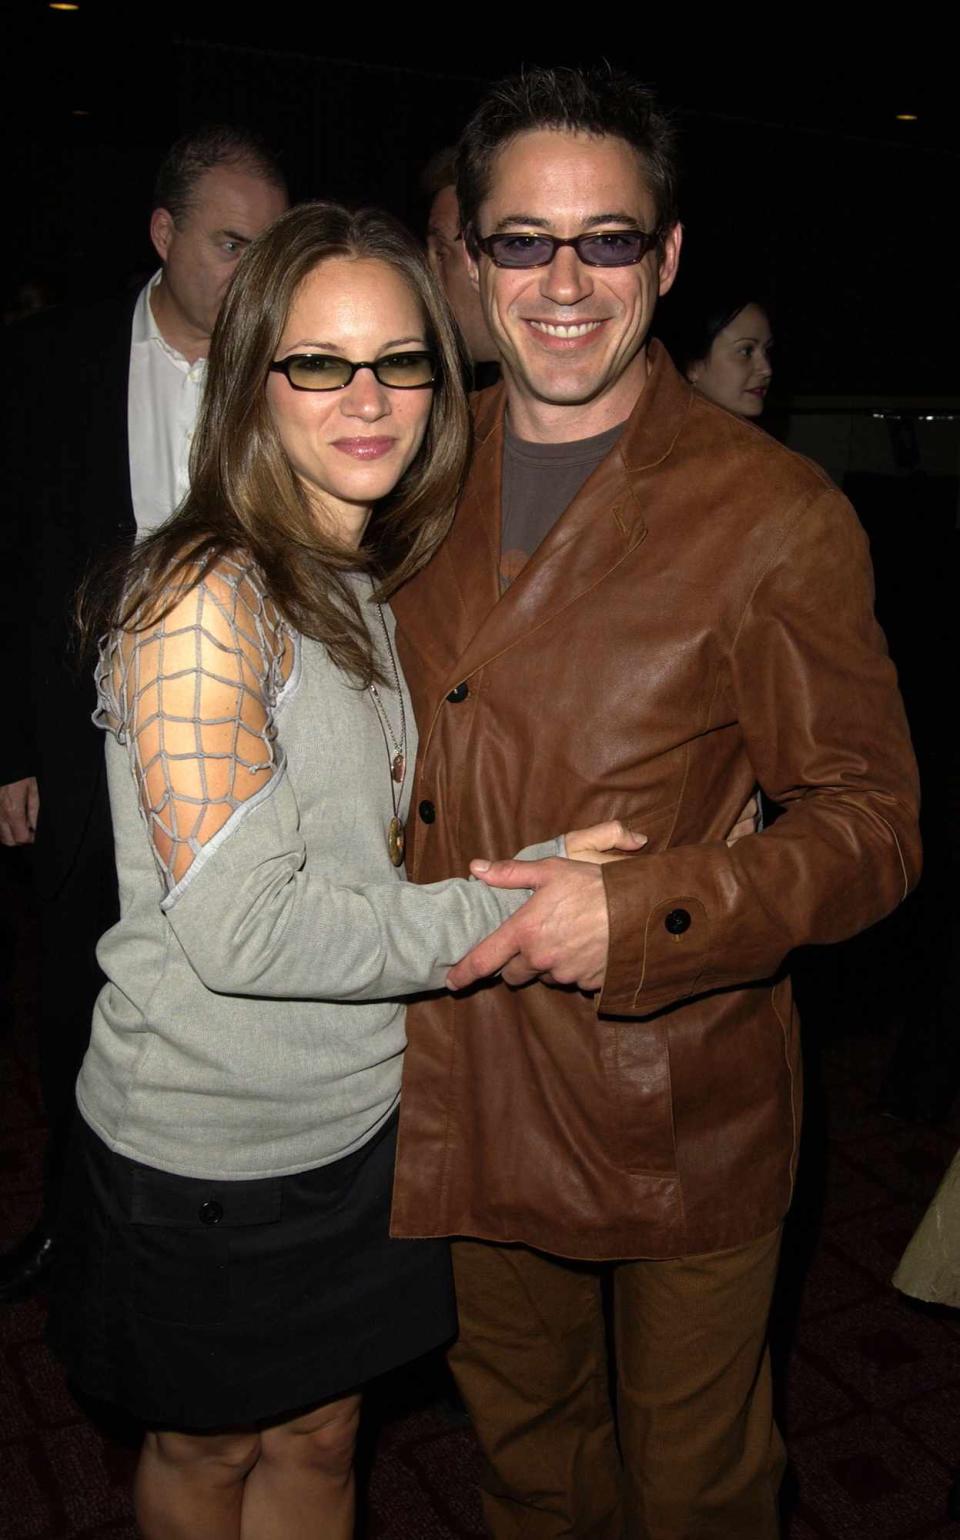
(350, 447)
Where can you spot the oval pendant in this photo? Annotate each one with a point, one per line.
(397, 768)
(395, 841)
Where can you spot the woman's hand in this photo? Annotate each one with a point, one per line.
(747, 821)
(613, 841)
(603, 842)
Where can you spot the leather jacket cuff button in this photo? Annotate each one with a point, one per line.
(677, 921)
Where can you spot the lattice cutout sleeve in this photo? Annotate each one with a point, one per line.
(193, 696)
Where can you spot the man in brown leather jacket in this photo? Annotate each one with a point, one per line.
(646, 607)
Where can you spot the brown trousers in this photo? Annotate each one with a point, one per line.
(694, 1455)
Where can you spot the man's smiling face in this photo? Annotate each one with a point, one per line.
(571, 334)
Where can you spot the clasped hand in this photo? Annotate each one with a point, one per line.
(562, 933)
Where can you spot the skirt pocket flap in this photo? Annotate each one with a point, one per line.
(161, 1198)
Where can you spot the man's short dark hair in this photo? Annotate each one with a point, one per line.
(601, 101)
(439, 172)
(213, 145)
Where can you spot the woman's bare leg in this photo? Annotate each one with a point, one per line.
(192, 1484)
(302, 1486)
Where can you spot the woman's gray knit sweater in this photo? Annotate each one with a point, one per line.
(250, 1025)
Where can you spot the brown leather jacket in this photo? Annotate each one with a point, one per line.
(699, 620)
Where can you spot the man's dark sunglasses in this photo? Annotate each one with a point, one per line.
(324, 371)
(605, 248)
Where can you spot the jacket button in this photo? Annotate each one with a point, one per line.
(677, 921)
(427, 811)
(459, 693)
(210, 1213)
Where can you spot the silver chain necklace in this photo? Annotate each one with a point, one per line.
(397, 758)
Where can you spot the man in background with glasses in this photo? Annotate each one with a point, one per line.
(98, 426)
(644, 609)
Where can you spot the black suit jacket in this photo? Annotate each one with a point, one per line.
(67, 503)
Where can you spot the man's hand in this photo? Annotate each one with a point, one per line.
(505, 949)
(562, 932)
(19, 810)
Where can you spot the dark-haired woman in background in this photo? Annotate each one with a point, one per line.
(227, 1274)
(721, 339)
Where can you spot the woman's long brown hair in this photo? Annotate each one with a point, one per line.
(244, 495)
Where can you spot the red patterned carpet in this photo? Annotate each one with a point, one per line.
(870, 1384)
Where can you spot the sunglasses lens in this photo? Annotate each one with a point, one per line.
(612, 248)
(608, 248)
(406, 371)
(318, 371)
(521, 250)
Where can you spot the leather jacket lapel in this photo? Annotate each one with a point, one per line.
(602, 525)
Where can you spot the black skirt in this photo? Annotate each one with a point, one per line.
(200, 1304)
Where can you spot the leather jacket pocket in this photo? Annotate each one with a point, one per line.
(636, 1061)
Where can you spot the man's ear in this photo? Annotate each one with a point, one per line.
(162, 227)
(670, 260)
(471, 258)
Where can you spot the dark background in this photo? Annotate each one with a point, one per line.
(795, 163)
(796, 166)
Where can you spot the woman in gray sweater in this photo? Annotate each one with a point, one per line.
(229, 1276)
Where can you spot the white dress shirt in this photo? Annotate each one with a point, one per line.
(162, 404)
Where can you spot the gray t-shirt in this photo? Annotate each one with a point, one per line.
(540, 482)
